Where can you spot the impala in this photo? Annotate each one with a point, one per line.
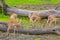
(13, 23)
(51, 19)
(35, 17)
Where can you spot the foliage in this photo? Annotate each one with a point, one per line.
(16, 2)
(37, 38)
(3, 17)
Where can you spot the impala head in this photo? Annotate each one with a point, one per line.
(30, 14)
(14, 14)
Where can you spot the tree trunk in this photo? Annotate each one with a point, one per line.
(4, 6)
(43, 13)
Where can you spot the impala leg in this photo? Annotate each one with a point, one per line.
(50, 23)
(15, 29)
(55, 22)
(8, 29)
(41, 23)
(32, 24)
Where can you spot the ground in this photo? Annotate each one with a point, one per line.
(26, 24)
(29, 37)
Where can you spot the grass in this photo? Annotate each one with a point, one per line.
(4, 18)
(20, 2)
(37, 38)
(26, 24)
(25, 20)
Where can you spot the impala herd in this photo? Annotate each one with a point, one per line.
(33, 18)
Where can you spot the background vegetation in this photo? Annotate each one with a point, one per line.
(15, 2)
(25, 20)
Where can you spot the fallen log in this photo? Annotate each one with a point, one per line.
(43, 13)
(34, 31)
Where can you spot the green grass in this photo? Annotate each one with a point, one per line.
(4, 18)
(37, 38)
(20, 2)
